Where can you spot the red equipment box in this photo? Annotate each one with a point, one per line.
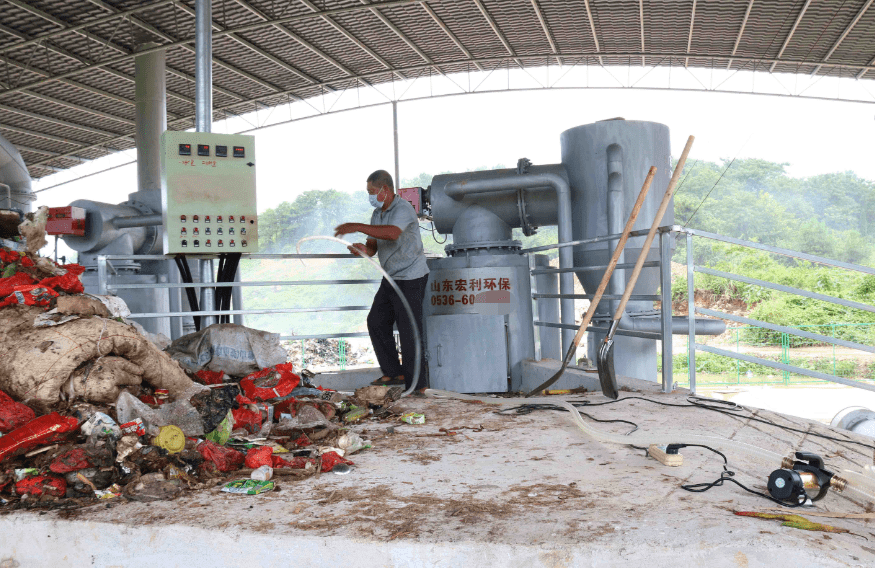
(66, 221)
(414, 196)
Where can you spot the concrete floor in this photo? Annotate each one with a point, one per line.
(525, 490)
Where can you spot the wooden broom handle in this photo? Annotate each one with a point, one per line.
(614, 258)
(656, 221)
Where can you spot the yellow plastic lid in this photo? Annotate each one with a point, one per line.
(171, 439)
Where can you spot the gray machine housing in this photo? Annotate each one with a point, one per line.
(480, 346)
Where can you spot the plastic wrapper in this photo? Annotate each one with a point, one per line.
(210, 377)
(13, 414)
(270, 384)
(8, 285)
(223, 431)
(133, 428)
(32, 295)
(180, 413)
(225, 459)
(249, 420)
(249, 487)
(38, 432)
(350, 442)
(308, 418)
(299, 462)
(101, 424)
(40, 485)
(263, 473)
(257, 457)
(126, 446)
(413, 418)
(331, 459)
(213, 404)
(71, 460)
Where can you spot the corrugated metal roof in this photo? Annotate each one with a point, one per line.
(66, 66)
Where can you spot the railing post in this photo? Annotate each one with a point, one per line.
(665, 273)
(691, 315)
(536, 316)
(101, 275)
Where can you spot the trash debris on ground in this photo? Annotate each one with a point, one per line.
(413, 418)
(120, 418)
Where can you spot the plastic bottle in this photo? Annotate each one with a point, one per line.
(263, 473)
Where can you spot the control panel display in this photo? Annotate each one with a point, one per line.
(208, 195)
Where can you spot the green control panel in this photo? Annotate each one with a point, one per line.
(208, 193)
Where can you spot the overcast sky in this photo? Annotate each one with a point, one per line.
(338, 151)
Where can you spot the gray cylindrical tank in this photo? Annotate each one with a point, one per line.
(637, 145)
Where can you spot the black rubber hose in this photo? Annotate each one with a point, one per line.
(185, 274)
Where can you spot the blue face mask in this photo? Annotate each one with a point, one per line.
(375, 203)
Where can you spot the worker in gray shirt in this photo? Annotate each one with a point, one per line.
(393, 235)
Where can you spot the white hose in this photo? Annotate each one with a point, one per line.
(858, 484)
(416, 339)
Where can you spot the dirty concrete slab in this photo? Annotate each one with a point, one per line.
(496, 490)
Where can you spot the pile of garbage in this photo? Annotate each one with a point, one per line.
(91, 408)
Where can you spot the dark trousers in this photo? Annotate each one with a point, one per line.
(387, 310)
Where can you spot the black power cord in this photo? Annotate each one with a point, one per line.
(529, 408)
(185, 274)
(726, 475)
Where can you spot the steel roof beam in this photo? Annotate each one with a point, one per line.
(740, 32)
(43, 135)
(863, 72)
(382, 17)
(690, 37)
(71, 29)
(546, 29)
(799, 17)
(595, 37)
(60, 122)
(449, 33)
(641, 17)
(845, 33)
(497, 32)
(21, 148)
(345, 33)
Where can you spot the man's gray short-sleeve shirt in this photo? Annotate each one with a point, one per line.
(403, 259)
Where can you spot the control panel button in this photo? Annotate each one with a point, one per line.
(230, 218)
(182, 218)
(185, 149)
(220, 242)
(207, 219)
(243, 231)
(208, 243)
(242, 218)
(219, 231)
(231, 231)
(184, 243)
(219, 219)
(221, 151)
(207, 231)
(197, 243)
(232, 242)
(203, 149)
(239, 152)
(194, 218)
(183, 232)
(195, 232)
(243, 243)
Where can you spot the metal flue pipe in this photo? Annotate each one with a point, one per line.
(203, 69)
(459, 189)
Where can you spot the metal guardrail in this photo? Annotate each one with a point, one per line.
(106, 286)
(667, 233)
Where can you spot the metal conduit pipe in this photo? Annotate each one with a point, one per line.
(459, 189)
(203, 65)
(137, 221)
(679, 325)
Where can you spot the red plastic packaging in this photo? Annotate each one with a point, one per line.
(8, 285)
(68, 282)
(42, 485)
(247, 419)
(8, 256)
(271, 383)
(38, 432)
(225, 459)
(210, 377)
(73, 460)
(331, 459)
(303, 441)
(300, 462)
(32, 295)
(257, 457)
(13, 414)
